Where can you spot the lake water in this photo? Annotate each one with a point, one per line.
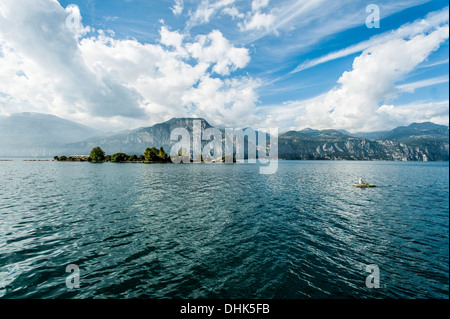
(224, 230)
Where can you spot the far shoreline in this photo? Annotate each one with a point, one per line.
(46, 159)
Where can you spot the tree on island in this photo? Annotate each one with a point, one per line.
(151, 154)
(119, 158)
(97, 154)
(155, 155)
(163, 155)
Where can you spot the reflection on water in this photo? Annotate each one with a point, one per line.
(223, 230)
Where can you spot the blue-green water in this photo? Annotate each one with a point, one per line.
(224, 230)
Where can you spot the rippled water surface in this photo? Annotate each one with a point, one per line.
(224, 230)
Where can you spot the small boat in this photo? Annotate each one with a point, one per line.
(363, 185)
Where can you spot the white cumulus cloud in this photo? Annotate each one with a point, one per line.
(215, 49)
(206, 10)
(258, 4)
(432, 20)
(46, 66)
(258, 21)
(233, 12)
(355, 103)
(178, 7)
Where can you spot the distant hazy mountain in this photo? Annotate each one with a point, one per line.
(35, 134)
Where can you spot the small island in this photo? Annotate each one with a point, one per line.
(97, 155)
(151, 155)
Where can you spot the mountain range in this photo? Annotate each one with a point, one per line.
(36, 134)
(42, 135)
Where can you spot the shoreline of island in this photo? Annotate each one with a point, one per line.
(150, 156)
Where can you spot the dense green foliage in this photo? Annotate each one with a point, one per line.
(122, 157)
(97, 154)
(119, 158)
(155, 155)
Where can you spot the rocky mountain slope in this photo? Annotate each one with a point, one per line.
(417, 142)
(136, 141)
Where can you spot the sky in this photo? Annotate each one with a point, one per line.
(292, 64)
